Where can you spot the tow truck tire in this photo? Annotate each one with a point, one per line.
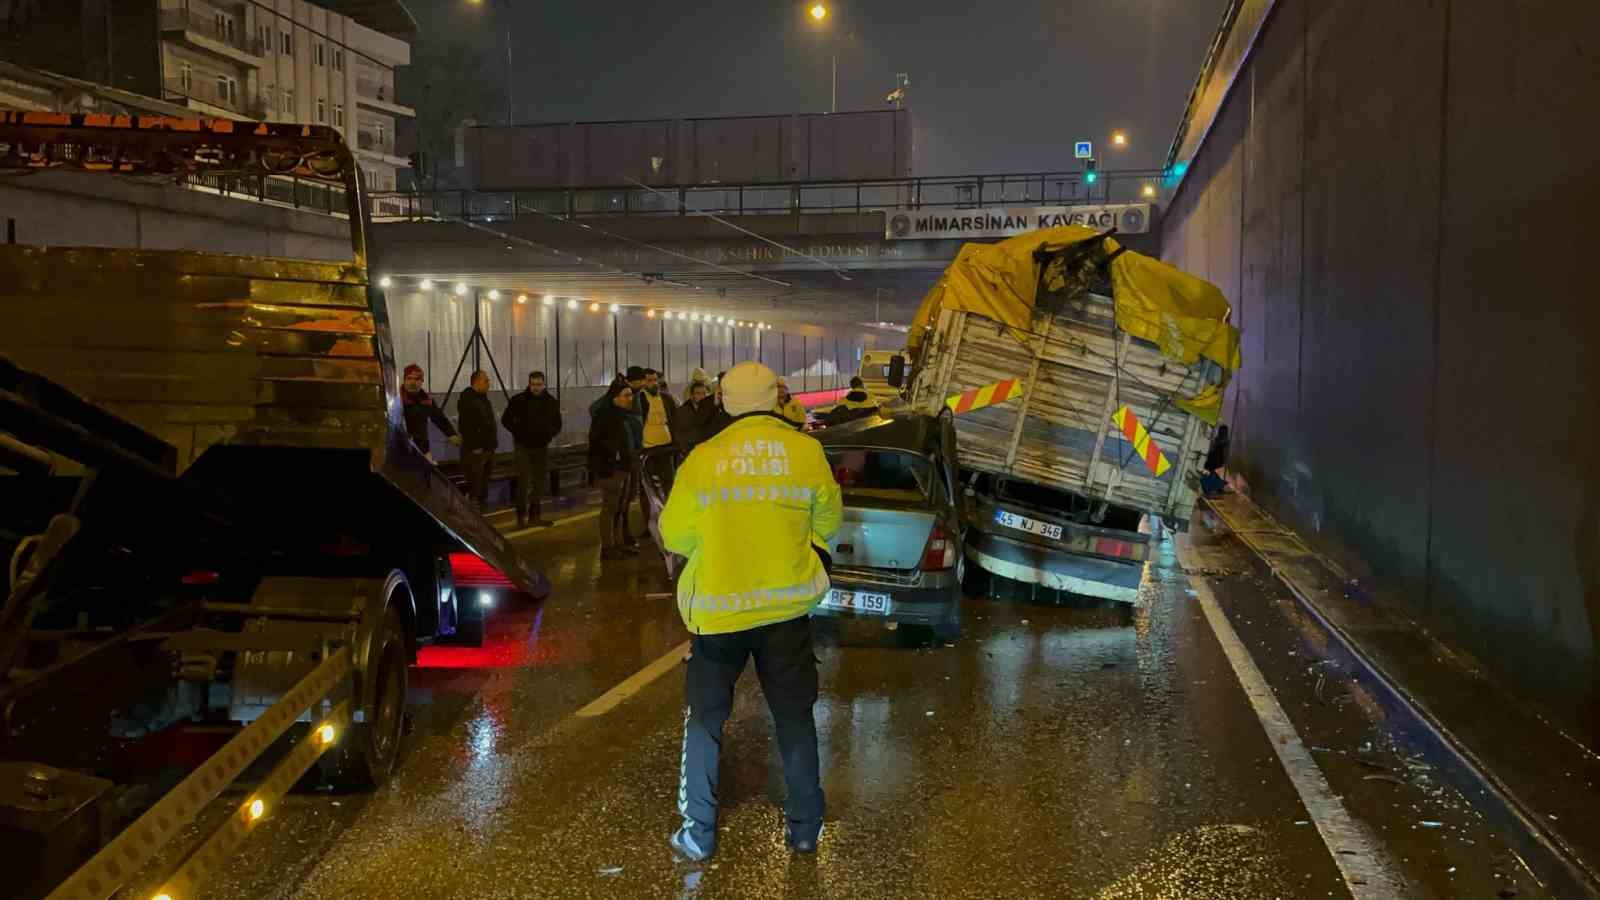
(367, 755)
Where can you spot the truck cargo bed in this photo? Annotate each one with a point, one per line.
(1060, 433)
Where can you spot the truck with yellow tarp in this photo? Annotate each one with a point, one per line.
(1085, 380)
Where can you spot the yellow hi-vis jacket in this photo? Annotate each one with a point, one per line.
(745, 508)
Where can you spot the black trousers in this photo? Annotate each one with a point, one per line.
(476, 465)
(787, 668)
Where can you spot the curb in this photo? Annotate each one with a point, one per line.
(1544, 852)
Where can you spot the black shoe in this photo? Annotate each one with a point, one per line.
(542, 523)
(802, 844)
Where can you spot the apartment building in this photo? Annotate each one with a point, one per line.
(289, 61)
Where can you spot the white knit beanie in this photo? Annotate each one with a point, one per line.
(699, 375)
(749, 387)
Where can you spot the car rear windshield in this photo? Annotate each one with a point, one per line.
(891, 474)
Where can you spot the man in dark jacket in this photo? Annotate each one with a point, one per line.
(534, 419)
(610, 461)
(419, 410)
(689, 424)
(480, 438)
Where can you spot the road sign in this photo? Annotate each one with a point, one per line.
(1083, 150)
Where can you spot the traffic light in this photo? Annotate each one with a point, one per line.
(1090, 174)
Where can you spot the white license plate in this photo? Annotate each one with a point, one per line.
(858, 601)
(1023, 523)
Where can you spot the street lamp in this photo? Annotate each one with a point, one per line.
(819, 12)
(1119, 138)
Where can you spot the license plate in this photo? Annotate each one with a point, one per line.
(858, 601)
(1023, 523)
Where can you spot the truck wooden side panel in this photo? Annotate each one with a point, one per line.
(1086, 371)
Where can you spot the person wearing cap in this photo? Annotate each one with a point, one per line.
(788, 407)
(419, 409)
(745, 512)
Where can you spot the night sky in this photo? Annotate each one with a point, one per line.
(995, 87)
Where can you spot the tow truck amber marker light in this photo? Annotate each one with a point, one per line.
(256, 809)
(327, 733)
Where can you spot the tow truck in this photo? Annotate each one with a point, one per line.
(214, 519)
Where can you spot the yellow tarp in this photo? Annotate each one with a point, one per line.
(1185, 316)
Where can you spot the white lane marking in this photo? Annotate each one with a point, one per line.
(555, 523)
(636, 682)
(1360, 859)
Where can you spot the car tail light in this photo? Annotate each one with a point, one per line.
(941, 551)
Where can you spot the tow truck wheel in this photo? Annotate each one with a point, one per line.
(366, 757)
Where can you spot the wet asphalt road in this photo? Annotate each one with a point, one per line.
(1058, 750)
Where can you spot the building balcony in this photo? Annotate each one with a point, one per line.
(199, 27)
(379, 97)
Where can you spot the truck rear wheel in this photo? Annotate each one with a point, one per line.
(366, 757)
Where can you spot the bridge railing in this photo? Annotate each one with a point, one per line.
(944, 192)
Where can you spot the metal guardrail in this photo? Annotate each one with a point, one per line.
(764, 198)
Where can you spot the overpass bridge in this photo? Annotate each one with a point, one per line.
(820, 253)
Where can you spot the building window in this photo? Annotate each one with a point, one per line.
(338, 59)
(227, 91)
(380, 135)
(288, 102)
(322, 109)
(186, 77)
(338, 116)
(264, 39)
(318, 53)
(225, 27)
(287, 45)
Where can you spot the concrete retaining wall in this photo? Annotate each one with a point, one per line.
(1396, 200)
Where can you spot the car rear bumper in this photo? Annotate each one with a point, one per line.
(923, 605)
(1033, 563)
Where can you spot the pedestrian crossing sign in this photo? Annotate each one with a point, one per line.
(1083, 150)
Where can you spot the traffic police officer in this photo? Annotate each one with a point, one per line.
(745, 510)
